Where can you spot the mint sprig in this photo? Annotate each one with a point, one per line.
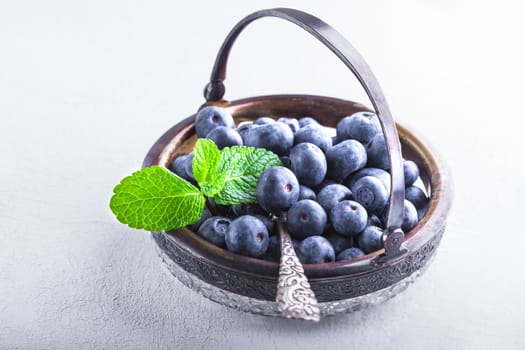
(241, 167)
(156, 199)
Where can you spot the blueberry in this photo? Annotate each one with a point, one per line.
(306, 218)
(345, 158)
(247, 235)
(264, 120)
(213, 230)
(316, 134)
(375, 220)
(209, 118)
(411, 172)
(339, 243)
(350, 254)
(244, 128)
(315, 250)
(291, 122)
(306, 193)
(188, 167)
(308, 163)
(225, 137)
(410, 217)
(274, 249)
(377, 154)
(330, 195)
(348, 217)
(307, 121)
(360, 126)
(381, 174)
(417, 197)
(371, 193)
(276, 137)
(277, 189)
(205, 215)
(371, 239)
(180, 164)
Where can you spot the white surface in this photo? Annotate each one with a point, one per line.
(87, 87)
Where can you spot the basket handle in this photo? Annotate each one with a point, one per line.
(214, 91)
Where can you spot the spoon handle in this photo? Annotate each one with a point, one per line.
(295, 298)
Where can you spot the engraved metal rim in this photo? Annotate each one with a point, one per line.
(269, 308)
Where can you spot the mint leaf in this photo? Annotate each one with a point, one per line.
(241, 167)
(155, 199)
(206, 157)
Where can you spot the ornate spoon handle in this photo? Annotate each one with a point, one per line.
(295, 298)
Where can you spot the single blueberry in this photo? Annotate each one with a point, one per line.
(316, 134)
(418, 198)
(291, 122)
(209, 118)
(377, 154)
(225, 137)
(371, 239)
(308, 163)
(264, 120)
(348, 218)
(381, 174)
(277, 189)
(274, 249)
(345, 158)
(411, 172)
(330, 195)
(360, 126)
(180, 164)
(371, 193)
(244, 128)
(410, 217)
(214, 229)
(315, 250)
(306, 218)
(276, 137)
(247, 235)
(375, 220)
(306, 193)
(339, 243)
(349, 254)
(188, 167)
(304, 121)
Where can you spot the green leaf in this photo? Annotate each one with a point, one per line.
(241, 167)
(206, 157)
(155, 199)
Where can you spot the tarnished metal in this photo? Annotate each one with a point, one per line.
(295, 298)
(215, 89)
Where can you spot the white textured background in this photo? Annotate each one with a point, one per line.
(87, 87)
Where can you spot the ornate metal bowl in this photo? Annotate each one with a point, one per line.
(250, 284)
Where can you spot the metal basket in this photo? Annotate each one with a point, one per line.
(250, 284)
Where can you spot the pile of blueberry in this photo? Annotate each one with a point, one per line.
(333, 189)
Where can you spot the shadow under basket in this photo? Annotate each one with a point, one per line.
(250, 284)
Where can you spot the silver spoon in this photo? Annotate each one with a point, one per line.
(295, 298)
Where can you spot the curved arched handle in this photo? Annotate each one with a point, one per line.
(214, 91)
